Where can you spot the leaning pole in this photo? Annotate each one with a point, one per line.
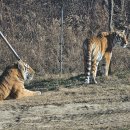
(9, 45)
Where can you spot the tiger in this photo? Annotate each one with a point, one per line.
(12, 81)
(100, 47)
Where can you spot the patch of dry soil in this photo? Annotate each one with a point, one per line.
(92, 107)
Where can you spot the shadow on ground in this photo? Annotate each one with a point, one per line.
(50, 84)
(53, 84)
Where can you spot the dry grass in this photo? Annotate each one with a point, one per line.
(71, 105)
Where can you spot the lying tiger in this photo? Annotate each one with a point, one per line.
(12, 81)
(98, 47)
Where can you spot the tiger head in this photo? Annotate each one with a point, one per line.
(121, 39)
(26, 71)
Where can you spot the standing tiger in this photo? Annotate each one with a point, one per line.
(12, 81)
(98, 47)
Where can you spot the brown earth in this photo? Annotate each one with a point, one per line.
(76, 106)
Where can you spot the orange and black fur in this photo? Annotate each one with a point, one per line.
(98, 47)
(12, 81)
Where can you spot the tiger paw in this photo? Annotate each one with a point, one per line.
(87, 81)
(38, 92)
(106, 77)
(93, 81)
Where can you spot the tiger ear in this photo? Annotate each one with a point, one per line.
(123, 32)
(113, 30)
(20, 67)
(117, 32)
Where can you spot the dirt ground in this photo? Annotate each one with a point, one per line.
(71, 105)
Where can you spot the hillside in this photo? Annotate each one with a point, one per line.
(34, 29)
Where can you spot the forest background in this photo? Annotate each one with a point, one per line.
(33, 27)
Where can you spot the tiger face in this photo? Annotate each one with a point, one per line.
(121, 39)
(26, 71)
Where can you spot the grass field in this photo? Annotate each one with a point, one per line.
(67, 103)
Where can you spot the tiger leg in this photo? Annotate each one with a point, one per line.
(94, 70)
(87, 62)
(107, 57)
(4, 94)
(87, 68)
(19, 91)
(26, 93)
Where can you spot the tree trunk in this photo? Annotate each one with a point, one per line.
(111, 5)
